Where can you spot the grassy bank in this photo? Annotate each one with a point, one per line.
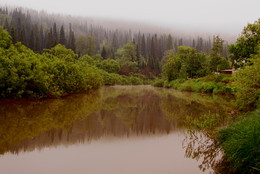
(240, 142)
(240, 138)
(217, 84)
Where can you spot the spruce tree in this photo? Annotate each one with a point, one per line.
(32, 40)
(41, 39)
(6, 25)
(143, 47)
(13, 34)
(49, 43)
(55, 35)
(104, 53)
(169, 42)
(62, 36)
(71, 41)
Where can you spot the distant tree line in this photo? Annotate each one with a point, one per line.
(35, 35)
(42, 31)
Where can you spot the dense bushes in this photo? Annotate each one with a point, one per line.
(206, 84)
(116, 79)
(241, 141)
(247, 84)
(186, 63)
(56, 72)
(217, 84)
(109, 65)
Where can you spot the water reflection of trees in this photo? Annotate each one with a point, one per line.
(111, 111)
(200, 141)
(24, 119)
(200, 147)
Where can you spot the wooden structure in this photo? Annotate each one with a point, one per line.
(227, 71)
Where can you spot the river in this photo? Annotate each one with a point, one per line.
(113, 130)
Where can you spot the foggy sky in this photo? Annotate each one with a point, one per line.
(228, 16)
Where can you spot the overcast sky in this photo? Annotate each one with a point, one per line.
(228, 16)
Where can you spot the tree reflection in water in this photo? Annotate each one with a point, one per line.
(119, 111)
(200, 142)
(200, 147)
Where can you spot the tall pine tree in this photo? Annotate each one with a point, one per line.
(62, 36)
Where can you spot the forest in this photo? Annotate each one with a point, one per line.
(121, 57)
(40, 57)
(40, 31)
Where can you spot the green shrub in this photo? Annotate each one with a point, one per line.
(167, 84)
(158, 82)
(246, 84)
(240, 142)
(112, 78)
(135, 80)
(110, 65)
(56, 72)
(186, 86)
(196, 86)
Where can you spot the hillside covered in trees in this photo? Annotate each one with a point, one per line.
(42, 56)
(39, 31)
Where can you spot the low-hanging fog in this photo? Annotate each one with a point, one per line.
(212, 16)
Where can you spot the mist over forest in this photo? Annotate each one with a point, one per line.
(39, 30)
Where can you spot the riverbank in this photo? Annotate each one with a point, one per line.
(239, 139)
(56, 72)
(240, 142)
(214, 83)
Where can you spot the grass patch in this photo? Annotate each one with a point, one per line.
(217, 84)
(240, 142)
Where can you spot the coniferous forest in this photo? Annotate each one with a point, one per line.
(39, 31)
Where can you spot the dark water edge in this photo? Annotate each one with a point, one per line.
(135, 116)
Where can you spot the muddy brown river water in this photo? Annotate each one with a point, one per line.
(114, 130)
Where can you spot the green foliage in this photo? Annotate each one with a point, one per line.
(186, 63)
(241, 141)
(247, 83)
(114, 79)
(85, 45)
(167, 55)
(129, 52)
(206, 122)
(172, 68)
(21, 72)
(217, 84)
(194, 62)
(158, 82)
(217, 47)
(91, 47)
(218, 63)
(87, 59)
(246, 45)
(57, 72)
(127, 58)
(136, 79)
(5, 39)
(61, 52)
(81, 45)
(110, 65)
(127, 67)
